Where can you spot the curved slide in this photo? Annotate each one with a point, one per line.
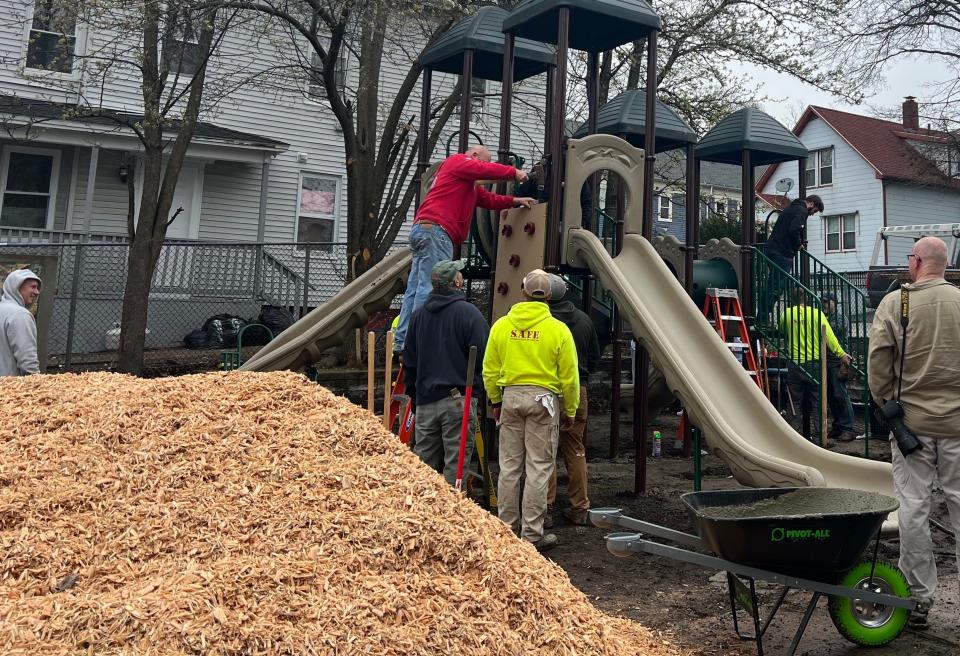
(334, 322)
(739, 423)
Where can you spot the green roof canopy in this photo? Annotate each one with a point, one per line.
(768, 141)
(482, 33)
(626, 114)
(595, 25)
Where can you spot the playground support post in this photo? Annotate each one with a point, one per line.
(503, 152)
(548, 118)
(617, 373)
(558, 114)
(805, 279)
(423, 157)
(371, 370)
(697, 460)
(593, 108)
(747, 234)
(802, 193)
(387, 379)
(641, 377)
(823, 387)
(691, 250)
(466, 106)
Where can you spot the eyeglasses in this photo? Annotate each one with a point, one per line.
(914, 255)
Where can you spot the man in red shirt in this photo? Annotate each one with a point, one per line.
(444, 218)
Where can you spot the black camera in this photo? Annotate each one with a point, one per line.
(890, 414)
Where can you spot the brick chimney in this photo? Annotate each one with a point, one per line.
(911, 114)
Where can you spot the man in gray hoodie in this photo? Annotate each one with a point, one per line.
(18, 329)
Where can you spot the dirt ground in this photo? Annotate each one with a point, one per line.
(689, 603)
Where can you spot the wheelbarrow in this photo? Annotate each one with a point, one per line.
(811, 539)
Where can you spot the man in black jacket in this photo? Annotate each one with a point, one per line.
(784, 243)
(571, 439)
(435, 355)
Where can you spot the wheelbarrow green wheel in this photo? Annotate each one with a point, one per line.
(866, 623)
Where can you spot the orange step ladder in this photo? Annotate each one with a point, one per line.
(722, 307)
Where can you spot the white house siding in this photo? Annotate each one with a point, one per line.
(110, 198)
(855, 189)
(913, 205)
(307, 125)
(231, 201)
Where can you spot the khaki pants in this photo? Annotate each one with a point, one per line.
(914, 477)
(575, 459)
(528, 444)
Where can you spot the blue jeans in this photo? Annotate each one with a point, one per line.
(838, 398)
(429, 244)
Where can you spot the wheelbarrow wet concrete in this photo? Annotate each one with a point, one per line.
(812, 539)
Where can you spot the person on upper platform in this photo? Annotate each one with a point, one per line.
(444, 218)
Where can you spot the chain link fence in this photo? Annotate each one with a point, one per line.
(193, 282)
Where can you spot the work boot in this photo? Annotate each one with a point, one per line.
(548, 519)
(547, 542)
(845, 436)
(575, 517)
(918, 616)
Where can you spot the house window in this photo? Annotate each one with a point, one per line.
(841, 231)
(820, 168)
(478, 93)
(317, 210)
(182, 54)
(720, 207)
(29, 178)
(664, 208)
(52, 39)
(316, 90)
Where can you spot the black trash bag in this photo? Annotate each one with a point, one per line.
(277, 319)
(197, 339)
(223, 329)
(255, 334)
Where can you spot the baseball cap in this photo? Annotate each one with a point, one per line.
(537, 284)
(558, 287)
(445, 271)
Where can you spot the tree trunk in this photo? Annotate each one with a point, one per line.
(142, 259)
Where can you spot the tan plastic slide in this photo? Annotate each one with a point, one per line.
(739, 423)
(333, 322)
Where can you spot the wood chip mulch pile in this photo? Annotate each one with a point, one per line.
(256, 514)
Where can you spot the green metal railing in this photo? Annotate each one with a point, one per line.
(797, 336)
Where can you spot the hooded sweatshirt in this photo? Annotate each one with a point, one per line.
(454, 196)
(438, 344)
(931, 387)
(584, 335)
(530, 347)
(787, 235)
(18, 329)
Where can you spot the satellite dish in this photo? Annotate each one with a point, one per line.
(784, 185)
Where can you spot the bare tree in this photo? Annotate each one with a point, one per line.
(167, 50)
(379, 130)
(872, 36)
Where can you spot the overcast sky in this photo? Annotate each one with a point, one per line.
(788, 97)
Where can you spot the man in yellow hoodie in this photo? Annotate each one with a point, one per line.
(804, 327)
(530, 374)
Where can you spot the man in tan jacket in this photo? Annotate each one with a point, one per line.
(930, 396)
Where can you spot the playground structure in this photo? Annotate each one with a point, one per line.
(652, 298)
